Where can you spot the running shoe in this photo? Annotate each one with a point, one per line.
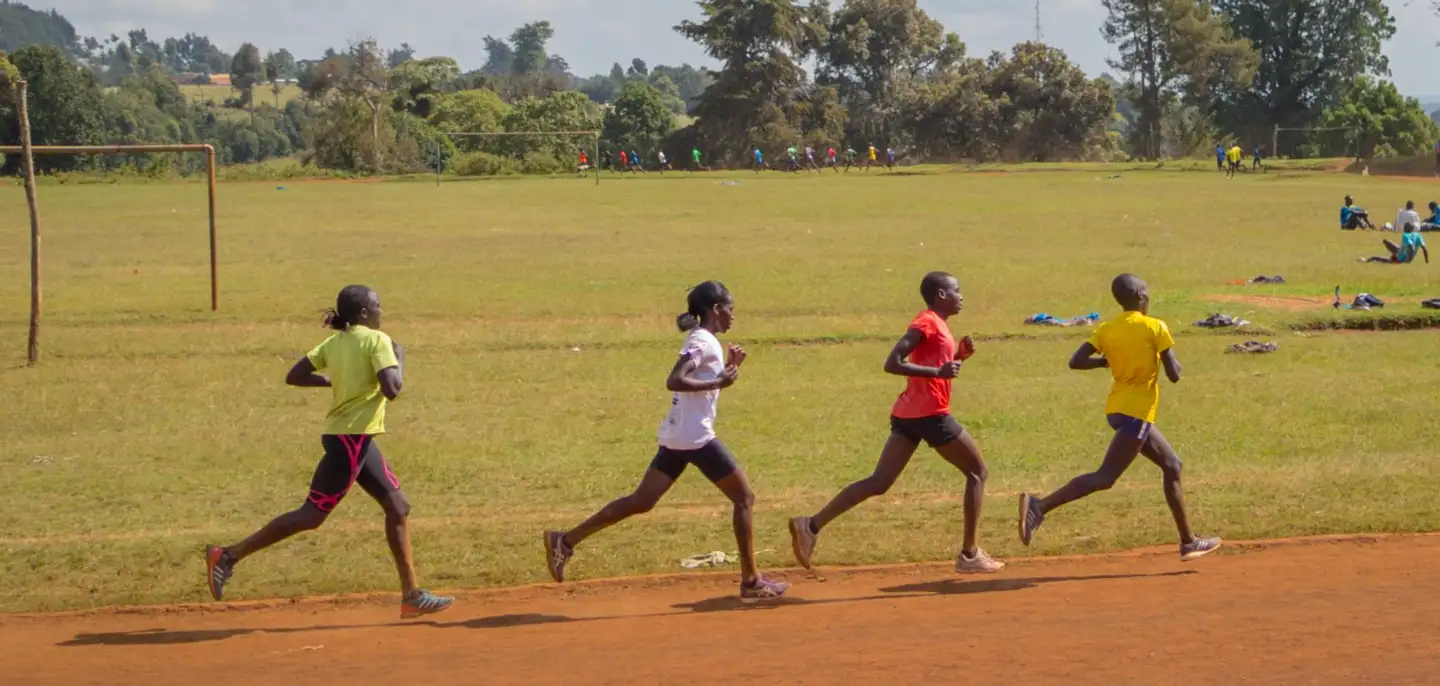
(1030, 517)
(557, 554)
(981, 563)
(419, 602)
(802, 540)
(1198, 548)
(219, 565)
(762, 589)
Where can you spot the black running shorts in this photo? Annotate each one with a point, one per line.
(936, 431)
(712, 459)
(350, 460)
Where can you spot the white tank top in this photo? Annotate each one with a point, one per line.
(690, 424)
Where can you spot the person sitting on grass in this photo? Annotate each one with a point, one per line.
(1407, 216)
(1352, 217)
(1432, 222)
(1404, 253)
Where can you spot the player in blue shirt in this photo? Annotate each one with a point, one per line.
(1352, 217)
(759, 161)
(1410, 242)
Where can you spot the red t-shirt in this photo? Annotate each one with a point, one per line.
(923, 396)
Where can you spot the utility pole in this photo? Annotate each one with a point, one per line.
(1039, 35)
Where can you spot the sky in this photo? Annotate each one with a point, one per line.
(593, 34)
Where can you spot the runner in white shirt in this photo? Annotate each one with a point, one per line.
(664, 163)
(687, 436)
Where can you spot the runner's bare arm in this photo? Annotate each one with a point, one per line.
(392, 379)
(303, 375)
(898, 364)
(682, 380)
(1172, 365)
(1087, 358)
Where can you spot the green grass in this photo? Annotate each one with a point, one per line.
(539, 319)
(217, 95)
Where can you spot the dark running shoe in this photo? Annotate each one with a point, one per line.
(1030, 517)
(1198, 548)
(219, 565)
(419, 602)
(557, 554)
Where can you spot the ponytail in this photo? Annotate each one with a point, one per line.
(701, 300)
(348, 305)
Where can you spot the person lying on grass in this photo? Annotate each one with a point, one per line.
(1404, 253)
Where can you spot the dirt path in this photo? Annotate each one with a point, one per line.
(1317, 611)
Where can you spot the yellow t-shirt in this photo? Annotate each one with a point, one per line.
(1132, 344)
(1234, 154)
(872, 153)
(354, 357)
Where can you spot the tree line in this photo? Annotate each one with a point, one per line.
(1188, 74)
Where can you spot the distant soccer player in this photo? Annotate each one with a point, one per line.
(849, 159)
(760, 161)
(929, 357)
(871, 160)
(664, 162)
(624, 160)
(584, 163)
(686, 437)
(1220, 157)
(1258, 162)
(1134, 346)
(1233, 156)
(794, 158)
(637, 163)
(889, 158)
(810, 159)
(830, 161)
(366, 371)
(695, 160)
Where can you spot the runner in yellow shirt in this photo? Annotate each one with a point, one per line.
(1133, 346)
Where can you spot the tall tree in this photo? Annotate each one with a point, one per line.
(875, 48)
(638, 69)
(499, 56)
(639, 118)
(761, 44)
(528, 43)
(1173, 51)
(247, 70)
(1310, 53)
(416, 83)
(400, 55)
(65, 106)
(360, 79)
(9, 81)
(1388, 124)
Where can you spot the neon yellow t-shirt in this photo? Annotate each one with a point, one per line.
(1131, 344)
(354, 357)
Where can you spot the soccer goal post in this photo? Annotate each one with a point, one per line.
(27, 151)
(593, 135)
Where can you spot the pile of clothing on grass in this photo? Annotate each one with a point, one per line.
(1043, 319)
(1221, 321)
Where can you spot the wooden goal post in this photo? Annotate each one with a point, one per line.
(26, 151)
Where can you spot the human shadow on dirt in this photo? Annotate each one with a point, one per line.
(964, 586)
(920, 590)
(166, 637)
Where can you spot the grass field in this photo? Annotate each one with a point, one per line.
(539, 320)
(208, 93)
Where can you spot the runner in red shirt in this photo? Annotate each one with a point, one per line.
(929, 357)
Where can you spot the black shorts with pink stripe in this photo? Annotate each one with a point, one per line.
(350, 460)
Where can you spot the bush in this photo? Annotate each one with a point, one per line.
(484, 164)
(541, 162)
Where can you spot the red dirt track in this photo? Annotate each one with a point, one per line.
(1351, 610)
